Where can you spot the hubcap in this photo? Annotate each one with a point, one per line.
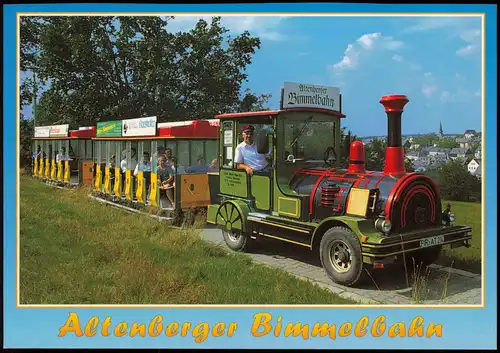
(232, 236)
(340, 256)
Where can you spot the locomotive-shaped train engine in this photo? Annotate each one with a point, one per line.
(402, 207)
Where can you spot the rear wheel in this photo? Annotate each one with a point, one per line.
(340, 254)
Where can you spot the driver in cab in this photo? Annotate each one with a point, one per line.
(246, 155)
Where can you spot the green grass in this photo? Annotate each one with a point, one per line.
(78, 251)
(469, 259)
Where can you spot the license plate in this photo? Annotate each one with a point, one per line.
(431, 241)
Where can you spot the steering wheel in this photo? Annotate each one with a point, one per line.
(330, 156)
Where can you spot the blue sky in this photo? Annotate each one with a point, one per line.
(435, 61)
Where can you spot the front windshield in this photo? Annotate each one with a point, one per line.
(314, 140)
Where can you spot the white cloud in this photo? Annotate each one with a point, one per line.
(415, 67)
(428, 89)
(468, 50)
(367, 42)
(429, 86)
(428, 23)
(350, 59)
(473, 38)
(261, 26)
(460, 95)
(397, 57)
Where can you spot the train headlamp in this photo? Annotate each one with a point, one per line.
(383, 225)
(386, 226)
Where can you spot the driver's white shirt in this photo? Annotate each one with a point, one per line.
(247, 155)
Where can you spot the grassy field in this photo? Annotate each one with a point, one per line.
(469, 259)
(77, 251)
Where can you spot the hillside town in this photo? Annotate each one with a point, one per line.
(427, 153)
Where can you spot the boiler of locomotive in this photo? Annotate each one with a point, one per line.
(394, 199)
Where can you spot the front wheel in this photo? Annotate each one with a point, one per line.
(235, 240)
(231, 221)
(340, 254)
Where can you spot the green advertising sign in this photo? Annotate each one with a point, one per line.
(109, 129)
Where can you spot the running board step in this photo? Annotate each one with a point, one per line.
(269, 223)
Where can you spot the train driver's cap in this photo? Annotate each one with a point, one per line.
(247, 128)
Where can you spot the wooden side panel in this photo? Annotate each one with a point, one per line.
(194, 190)
(87, 172)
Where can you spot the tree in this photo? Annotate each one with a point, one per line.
(448, 142)
(107, 68)
(375, 155)
(409, 165)
(456, 183)
(426, 140)
(252, 103)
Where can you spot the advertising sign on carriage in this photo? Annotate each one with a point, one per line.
(139, 127)
(109, 129)
(42, 131)
(301, 95)
(59, 130)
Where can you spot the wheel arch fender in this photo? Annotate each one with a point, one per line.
(241, 207)
(328, 223)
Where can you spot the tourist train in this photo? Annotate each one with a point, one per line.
(352, 218)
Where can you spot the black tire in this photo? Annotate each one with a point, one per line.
(343, 239)
(236, 240)
(423, 257)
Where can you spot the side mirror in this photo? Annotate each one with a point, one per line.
(262, 143)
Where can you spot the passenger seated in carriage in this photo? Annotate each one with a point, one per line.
(199, 167)
(213, 167)
(112, 166)
(176, 168)
(168, 154)
(145, 167)
(166, 181)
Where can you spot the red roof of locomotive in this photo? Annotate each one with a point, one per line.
(276, 112)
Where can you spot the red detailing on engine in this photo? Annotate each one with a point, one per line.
(394, 103)
(356, 157)
(328, 195)
(419, 189)
(378, 181)
(394, 195)
(394, 160)
(313, 192)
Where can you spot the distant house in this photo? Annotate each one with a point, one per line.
(474, 165)
(468, 134)
(413, 155)
(459, 153)
(478, 153)
(438, 152)
(414, 146)
(467, 142)
(420, 169)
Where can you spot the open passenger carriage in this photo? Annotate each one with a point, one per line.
(129, 170)
(63, 157)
